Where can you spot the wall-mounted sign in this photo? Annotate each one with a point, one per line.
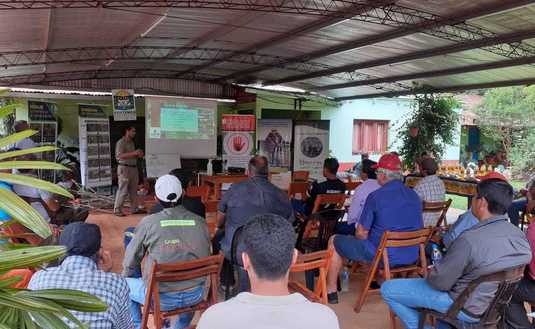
(124, 104)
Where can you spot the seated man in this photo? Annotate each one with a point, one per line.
(369, 177)
(25, 143)
(269, 252)
(515, 316)
(330, 186)
(68, 212)
(86, 269)
(430, 188)
(393, 207)
(357, 168)
(42, 201)
(519, 205)
(170, 236)
(468, 219)
(256, 195)
(491, 246)
(193, 204)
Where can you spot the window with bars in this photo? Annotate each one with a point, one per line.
(370, 136)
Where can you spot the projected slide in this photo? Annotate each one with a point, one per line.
(180, 121)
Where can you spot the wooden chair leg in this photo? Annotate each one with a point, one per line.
(421, 321)
(392, 319)
(367, 282)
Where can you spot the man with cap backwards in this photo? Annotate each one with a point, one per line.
(393, 207)
(170, 236)
(85, 269)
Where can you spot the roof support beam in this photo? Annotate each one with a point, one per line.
(485, 85)
(445, 50)
(404, 20)
(96, 74)
(316, 8)
(346, 13)
(434, 73)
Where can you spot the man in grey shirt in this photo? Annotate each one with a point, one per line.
(269, 252)
(170, 236)
(491, 246)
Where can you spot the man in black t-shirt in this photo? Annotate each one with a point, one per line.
(331, 186)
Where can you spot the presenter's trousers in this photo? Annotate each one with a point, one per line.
(128, 180)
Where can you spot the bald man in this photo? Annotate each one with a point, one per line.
(255, 195)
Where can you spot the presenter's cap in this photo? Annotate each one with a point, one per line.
(168, 188)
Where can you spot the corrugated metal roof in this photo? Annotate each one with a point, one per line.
(199, 50)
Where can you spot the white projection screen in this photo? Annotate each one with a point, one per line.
(180, 128)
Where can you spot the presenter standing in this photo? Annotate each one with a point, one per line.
(127, 174)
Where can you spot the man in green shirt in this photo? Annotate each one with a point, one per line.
(127, 174)
(169, 236)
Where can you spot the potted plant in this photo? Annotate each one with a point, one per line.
(21, 308)
(428, 128)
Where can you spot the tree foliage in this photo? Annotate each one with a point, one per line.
(507, 117)
(436, 120)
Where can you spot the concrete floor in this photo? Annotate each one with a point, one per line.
(374, 314)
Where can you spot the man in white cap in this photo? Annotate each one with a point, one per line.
(169, 236)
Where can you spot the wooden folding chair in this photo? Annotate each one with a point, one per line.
(319, 260)
(350, 186)
(436, 207)
(202, 192)
(300, 188)
(300, 176)
(322, 202)
(205, 267)
(395, 240)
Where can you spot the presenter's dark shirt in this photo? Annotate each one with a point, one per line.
(251, 197)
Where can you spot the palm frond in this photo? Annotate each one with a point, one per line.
(12, 139)
(23, 213)
(16, 164)
(34, 182)
(29, 257)
(39, 149)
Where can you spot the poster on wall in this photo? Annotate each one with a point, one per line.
(95, 152)
(238, 139)
(41, 118)
(274, 139)
(124, 104)
(311, 146)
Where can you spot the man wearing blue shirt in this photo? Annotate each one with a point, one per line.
(393, 207)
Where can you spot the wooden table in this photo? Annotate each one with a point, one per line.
(466, 188)
(215, 182)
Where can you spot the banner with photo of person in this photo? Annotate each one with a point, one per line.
(311, 146)
(238, 139)
(274, 137)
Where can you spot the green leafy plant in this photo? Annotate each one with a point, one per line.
(507, 118)
(21, 308)
(428, 128)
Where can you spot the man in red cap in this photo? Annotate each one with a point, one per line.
(393, 207)
(468, 219)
